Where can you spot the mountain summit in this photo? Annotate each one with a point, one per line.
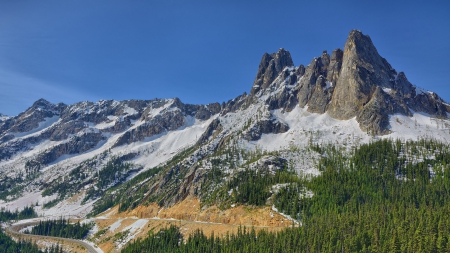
(356, 82)
(270, 67)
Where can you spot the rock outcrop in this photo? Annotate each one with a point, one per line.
(353, 83)
(270, 67)
(30, 119)
(213, 128)
(75, 145)
(265, 127)
(363, 69)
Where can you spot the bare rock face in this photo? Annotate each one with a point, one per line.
(30, 119)
(120, 124)
(321, 96)
(62, 131)
(213, 127)
(11, 145)
(270, 67)
(321, 93)
(205, 112)
(168, 121)
(363, 69)
(265, 127)
(234, 104)
(403, 87)
(307, 85)
(430, 103)
(81, 126)
(300, 70)
(325, 62)
(76, 145)
(284, 98)
(370, 89)
(335, 65)
(374, 117)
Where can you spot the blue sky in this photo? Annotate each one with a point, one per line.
(199, 51)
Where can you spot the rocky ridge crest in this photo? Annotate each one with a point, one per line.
(82, 126)
(354, 82)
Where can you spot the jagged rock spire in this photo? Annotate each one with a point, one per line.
(354, 82)
(363, 69)
(335, 65)
(270, 67)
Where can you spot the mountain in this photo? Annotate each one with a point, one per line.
(146, 155)
(356, 82)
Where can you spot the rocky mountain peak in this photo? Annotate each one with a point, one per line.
(359, 42)
(270, 67)
(282, 59)
(362, 70)
(40, 111)
(41, 103)
(67, 149)
(352, 83)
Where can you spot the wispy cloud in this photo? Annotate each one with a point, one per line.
(18, 91)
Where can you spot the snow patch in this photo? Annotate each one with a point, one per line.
(285, 215)
(105, 125)
(115, 225)
(42, 125)
(133, 230)
(129, 110)
(387, 90)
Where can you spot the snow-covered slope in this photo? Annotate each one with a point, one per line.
(25, 169)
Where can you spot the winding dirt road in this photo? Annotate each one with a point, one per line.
(14, 231)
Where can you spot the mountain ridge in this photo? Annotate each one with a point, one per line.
(365, 77)
(346, 99)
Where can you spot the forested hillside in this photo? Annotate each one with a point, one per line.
(386, 196)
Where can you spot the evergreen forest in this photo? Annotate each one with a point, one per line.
(7, 245)
(27, 213)
(385, 196)
(61, 228)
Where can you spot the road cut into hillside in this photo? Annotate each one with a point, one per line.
(68, 244)
(115, 230)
